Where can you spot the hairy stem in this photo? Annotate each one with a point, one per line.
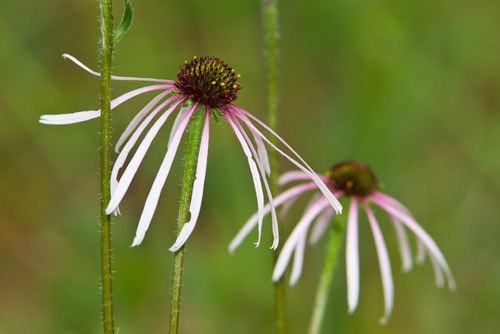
(333, 247)
(105, 62)
(270, 18)
(193, 146)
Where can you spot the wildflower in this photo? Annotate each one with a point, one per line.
(205, 85)
(352, 179)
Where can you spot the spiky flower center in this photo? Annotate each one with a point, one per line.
(354, 178)
(208, 80)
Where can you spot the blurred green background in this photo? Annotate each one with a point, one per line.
(412, 88)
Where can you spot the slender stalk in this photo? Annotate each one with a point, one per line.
(192, 147)
(333, 247)
(271, 26)
(105, 60)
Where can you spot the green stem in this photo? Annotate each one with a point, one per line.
(193, 146)
(333, 247)
(105, 60)
(271, 26)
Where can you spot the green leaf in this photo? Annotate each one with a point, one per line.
(125, 24)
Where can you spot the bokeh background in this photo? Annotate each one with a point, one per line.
(412, 88)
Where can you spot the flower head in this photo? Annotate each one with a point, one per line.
(204, 85)
(355, 180)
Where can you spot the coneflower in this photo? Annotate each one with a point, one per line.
(355, 180)
(204, 85)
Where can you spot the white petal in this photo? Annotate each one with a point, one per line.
(136, 160)
(321, 185)
(113, 77)
(255, 177)
(404, 245)
(279, 200)
(198, 184)
(352, 257)
(429, 243)
(300, 231)
(81, 116)
(71, 118)
(137, 119)
(154, 194)
(384, 263)
(320, 226)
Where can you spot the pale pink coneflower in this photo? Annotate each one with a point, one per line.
(211, 85)
(355, 180)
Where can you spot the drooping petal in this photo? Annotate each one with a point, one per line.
(180, 115)
(420, 252)
(287, 206)
(293, 175)
(279, 200)
(298, 232)
(81, 116)
(384, 263)
(391, 200)
(154, 194)
(138, 119)
(122, 157)
(425, 238)
(262, 152)
(197, 193)
(262, 170)
(352, 256)
(404, 245)
(320, 226)
(71, 118)
(136, 160)
(113, 77)
(438, 273)
(255, 177)
(305, 168)
(298, 260)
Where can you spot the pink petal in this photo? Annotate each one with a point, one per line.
(197, 193)
(352, 257)
(320, 226)
(429, 243)
(287, 206)
(298, 260)
(154, 194)
(385, 264)
(300, 231)
(404, 245)
(420, 252)
(291, 176)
